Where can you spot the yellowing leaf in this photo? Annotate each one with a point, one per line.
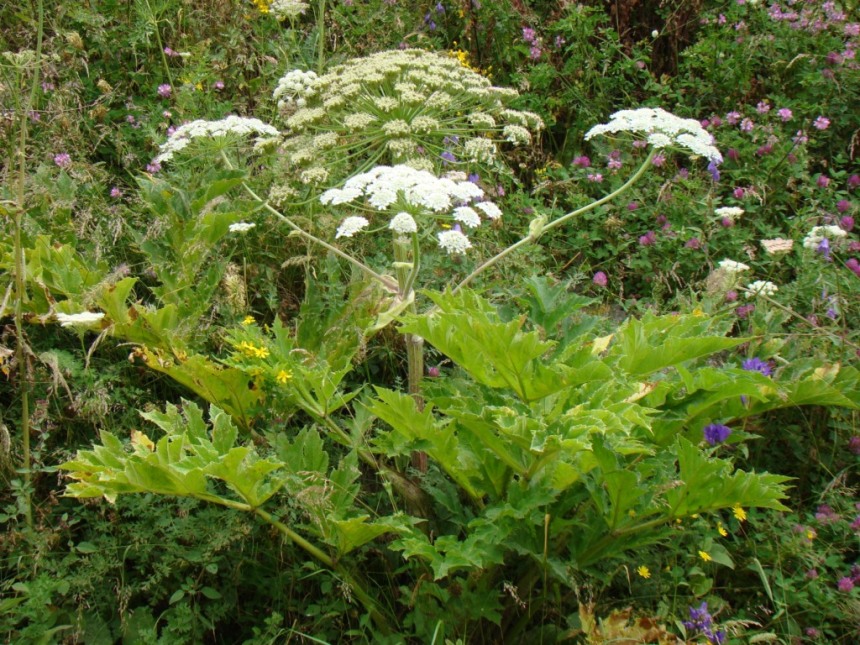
(138, 439)
(599, 345)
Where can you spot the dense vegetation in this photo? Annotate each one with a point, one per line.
(431, 322)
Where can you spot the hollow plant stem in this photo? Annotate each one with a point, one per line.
(21, 353)
(535, 234)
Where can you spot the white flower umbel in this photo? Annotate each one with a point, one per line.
(662, 129)
(819, 233)
(241, 227)
(237, 125)
(83, 319)
(731, 266)
(761, 288)
(351, 225)
(294, 88)
(403, 223)
(384, 185)
(490, 210)
(732, 213)
(413, 193)
(454, 242)
(467, 216)
(400, 106)
(287, 9)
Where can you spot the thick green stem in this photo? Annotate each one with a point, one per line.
(22, 356)
(355, 584)
(321, 37)
(535, 234)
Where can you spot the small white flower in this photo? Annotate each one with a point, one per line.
(403, 223)
(516, 134)
(84, 319)
(761, 288)
(777, 245)
(819, 233)
(351, 225)
(730, 212)
(467, 216)
(454, 242)
(490, 209)
(241, 227)
(733, 267)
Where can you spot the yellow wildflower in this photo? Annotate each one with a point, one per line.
(705, 556)
(739, 512)
(721, 529)
(644, 571)
(284, 376)
(262, 5)
(248, 320)
(810, 534)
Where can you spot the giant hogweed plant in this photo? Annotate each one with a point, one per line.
(546, 457)
(542, 440)
(553, 452)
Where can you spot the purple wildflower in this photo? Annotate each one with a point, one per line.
(153, 167)
(823, 181)
(744, 311)
(854, 445)
(582, 161)
(448, 157)
(433, 371)
(218, 85)
(845, 584)
(600, 279)
(785, 114)
(164, 91)
(693, 243)
(658, 160)
(824, 248)
(812, 574)
(732, 118)
(755, 364)
(846, 222)
(649, 239)
(747, 125)
(595, 177)
(115, 192)
(716, 433)
(63, 160)
(821, 123)
(714, 170)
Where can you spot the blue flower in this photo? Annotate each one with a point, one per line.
(716, 433)
(757, 365)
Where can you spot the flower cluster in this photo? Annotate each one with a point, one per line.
(818, 234)
(401, 106)
(411, 194)
(701, 622)
(663, 130)
(83, 319)
(184, 134)
(287, 9)
(761, 288)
